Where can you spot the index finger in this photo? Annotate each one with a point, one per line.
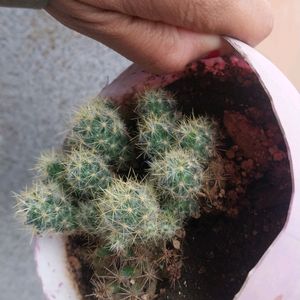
(249, 21)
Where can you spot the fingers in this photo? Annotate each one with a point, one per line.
(156, 46)
(164, 35)
(250, 21)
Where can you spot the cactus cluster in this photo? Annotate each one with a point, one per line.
(81, 190)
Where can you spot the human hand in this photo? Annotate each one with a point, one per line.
(165, 35)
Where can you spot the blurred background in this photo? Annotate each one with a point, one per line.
(46, 71)
(282, 47)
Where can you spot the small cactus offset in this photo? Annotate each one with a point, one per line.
(178, 174)
(46, 208)
(132, 276)
(156, 136)
(104, 289)
(199, 135)
(156, 103)
(87, 173)
(84, 189)
(50, 167)
(99, 127)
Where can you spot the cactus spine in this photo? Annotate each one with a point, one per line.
(46, 208)
(178, 174)
(157, 103)
(130, 212)
(198, 135)
(156, 136)
(87, 173)
(100, 128)
(50, 167)
(84, 191)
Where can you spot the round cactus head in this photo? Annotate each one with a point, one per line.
(156, 103)
(129, 211)
(46, 208)
(178, 174)
(87, 173)
(156, 136)
(50, 167)
(99, 127)
(199, 135)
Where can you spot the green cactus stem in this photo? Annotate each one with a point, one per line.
(130, 212)
(88, 218)
(156, 103)
(199, 135)
(178, 174)
(50, 167)
(156, 136)
(180, 210)
(87, 173)
(46, 208)
(100, 128)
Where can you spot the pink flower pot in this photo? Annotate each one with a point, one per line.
(277, 275)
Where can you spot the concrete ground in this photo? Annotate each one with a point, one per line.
(46, 71)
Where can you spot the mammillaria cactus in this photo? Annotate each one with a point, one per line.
(82, 190)
(199, 135)
(87, 217)
(156, 135)
(178, 174)
(157, 120)
(169, 223)
(50, 167)
(87, 173)
(156, 103)
(182, 209)
(46, 208)
(130, 213)
(99, 127)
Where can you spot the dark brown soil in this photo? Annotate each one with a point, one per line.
(221, 248)
(220, 251)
